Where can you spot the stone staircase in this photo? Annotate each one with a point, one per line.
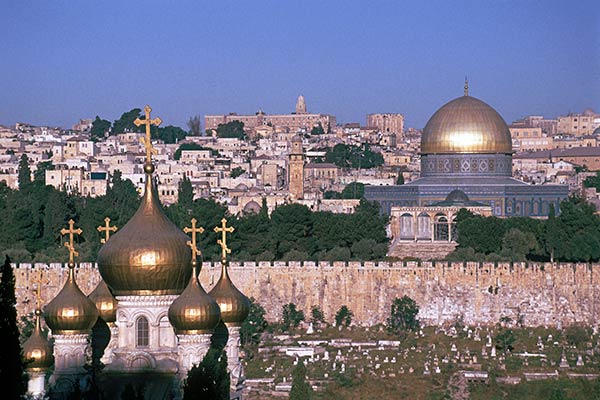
(424, 250)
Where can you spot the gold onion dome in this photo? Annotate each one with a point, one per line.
(105, 302)
(233, 304)
(70, 312)
(466, 125)
(37, 351)
(149, 255)
(194, 311)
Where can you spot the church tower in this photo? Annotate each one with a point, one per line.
(300, 105)
(296, 169)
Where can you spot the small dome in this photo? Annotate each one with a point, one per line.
(70, 312)
(37, 351)
(105, 302)
(194, 311)
(233, 304)
(242, 187)
(149, 255)
(252, 207)
(457, 196)
(466, 125)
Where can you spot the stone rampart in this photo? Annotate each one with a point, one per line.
(537, 294)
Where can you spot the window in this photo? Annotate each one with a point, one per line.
(142, 330)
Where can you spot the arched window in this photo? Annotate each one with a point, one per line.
(142, 331)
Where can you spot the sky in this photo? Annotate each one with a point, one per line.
(65, 60)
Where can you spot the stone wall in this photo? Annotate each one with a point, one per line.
(538, 294)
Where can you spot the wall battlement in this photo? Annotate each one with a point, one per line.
(536, 293)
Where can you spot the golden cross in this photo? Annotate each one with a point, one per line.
(71, 245)
(193, 230)
(106, 229)
(223, 241)
(38, 293)
(147, 141)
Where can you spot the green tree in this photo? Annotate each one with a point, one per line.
(125, 123)
(301, 390)
(194, 125)
(209, 379)
(254, 325)
(400, 179)
(291, 317)
(354, 190)
(11, 357)
(516, 245)
(316, 315)
(505, 339)
(350, 156)
(343, 317)
(317, 129)
(100, 127)
(233, 129)
(237, 171)
(39, 176)
(24, 172)
(403, 316)
(185, 194)
(169, 134)
(593, 181)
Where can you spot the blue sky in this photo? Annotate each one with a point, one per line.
(64, 60)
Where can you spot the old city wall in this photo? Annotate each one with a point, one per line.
(537, 294)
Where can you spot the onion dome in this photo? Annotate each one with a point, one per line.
(105, 302)
(466, 125)
(37, 350)
(233, 304)
(149, 255)
(70, 312)
(194, 311)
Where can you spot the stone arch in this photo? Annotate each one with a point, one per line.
(424, 227)
(407, 229)
(441, 225)
(141, 361)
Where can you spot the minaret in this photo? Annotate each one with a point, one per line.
(296, 169)
(234, 306)
(70, 317)
(300, 105)
(37, 351)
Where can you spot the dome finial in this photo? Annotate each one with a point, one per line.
(466, 86)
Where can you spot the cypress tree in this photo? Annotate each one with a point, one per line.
(11, 356)
(209, 379)
(24, 172)
(301, 389)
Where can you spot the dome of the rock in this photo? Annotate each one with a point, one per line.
(466, 125)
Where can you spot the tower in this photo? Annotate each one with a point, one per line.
(300, 105)
(296, 169)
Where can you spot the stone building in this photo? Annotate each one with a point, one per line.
(297, 121)
(466, 145)
(579, 124)
(393, 123)
(429, 232)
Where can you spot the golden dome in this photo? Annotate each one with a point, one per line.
(194, 311)
(70, 312)
(37, 351)
(149, 255)
(105, 302)
(233, 304)
(466, 125)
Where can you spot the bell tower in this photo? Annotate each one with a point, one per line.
(296, 169)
